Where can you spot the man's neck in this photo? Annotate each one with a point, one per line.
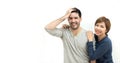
(75, 32)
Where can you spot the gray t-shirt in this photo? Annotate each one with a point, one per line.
(74, 46)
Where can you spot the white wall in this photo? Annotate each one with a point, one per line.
(22, 35)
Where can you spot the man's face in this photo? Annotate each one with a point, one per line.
(74, 21)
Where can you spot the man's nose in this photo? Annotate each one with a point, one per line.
(73, 20)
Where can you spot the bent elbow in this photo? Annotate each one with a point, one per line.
(49, 27)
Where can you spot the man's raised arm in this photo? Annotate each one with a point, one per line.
(53, 24)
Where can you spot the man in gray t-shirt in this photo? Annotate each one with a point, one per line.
(74, 38)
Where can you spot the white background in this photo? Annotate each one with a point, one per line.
(22, 35)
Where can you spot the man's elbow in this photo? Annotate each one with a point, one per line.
(49, 28)
(45, 27)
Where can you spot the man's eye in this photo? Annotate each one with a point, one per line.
(76, 17)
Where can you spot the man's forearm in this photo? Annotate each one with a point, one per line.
(53, 24)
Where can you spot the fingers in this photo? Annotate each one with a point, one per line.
(93, 61)
(89, 32)
(65, 26)
(68, 12)
(90, 35)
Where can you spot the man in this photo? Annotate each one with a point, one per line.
(74, 38)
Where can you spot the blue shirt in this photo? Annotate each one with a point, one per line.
(102, 52)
